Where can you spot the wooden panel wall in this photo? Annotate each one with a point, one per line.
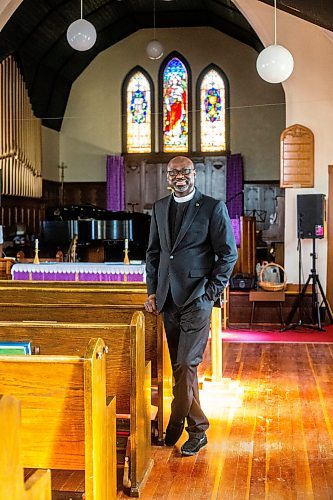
(145, 179)
(21, 211)
(76, 193)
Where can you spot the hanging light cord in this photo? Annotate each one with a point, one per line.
(274, 22)
(154, 20)
(81, 9)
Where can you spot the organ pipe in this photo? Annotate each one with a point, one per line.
(20, 136)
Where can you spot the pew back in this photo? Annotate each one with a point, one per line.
(80, 303)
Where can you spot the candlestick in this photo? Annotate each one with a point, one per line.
(36, 244)
(36, 259)
(126, 258)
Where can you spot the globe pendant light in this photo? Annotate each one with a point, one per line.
(81, 34)
(154, 48)
(275, 63)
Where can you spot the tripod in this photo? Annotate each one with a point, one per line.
(315, 306)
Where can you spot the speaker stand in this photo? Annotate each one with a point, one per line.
(316, 320)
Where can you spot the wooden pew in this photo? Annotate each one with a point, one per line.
(127, 374)
(94, 303)
(66, 421)
(12, 485)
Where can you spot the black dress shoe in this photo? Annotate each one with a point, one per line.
(173, 432)
(193, 445)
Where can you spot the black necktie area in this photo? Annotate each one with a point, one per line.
(177, 212)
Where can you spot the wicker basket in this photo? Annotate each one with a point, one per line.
(267, 285)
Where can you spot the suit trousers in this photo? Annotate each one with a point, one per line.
(187, 331)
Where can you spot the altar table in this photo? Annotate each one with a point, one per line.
(79, 271)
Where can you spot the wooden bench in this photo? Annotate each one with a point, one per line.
(127, 376)
(12, 485)
(67, 423)
(94, 303)
(266, 297)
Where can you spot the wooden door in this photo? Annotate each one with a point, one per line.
(329, 275)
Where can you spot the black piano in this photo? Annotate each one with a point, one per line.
(101, 233)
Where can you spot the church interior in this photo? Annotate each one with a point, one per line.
(96, 97)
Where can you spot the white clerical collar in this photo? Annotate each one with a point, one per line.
(184, 199)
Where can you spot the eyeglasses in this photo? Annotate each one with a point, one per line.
(184, 171)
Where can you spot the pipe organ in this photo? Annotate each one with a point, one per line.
(20, 136)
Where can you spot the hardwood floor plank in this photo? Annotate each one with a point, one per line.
(272, 441)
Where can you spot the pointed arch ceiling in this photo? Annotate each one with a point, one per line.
(36, 35)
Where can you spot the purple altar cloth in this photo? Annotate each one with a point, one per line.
(79, 272)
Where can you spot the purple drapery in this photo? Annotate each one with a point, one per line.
(115, 183)
(235, 186)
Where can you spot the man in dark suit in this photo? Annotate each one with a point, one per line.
(190, 257)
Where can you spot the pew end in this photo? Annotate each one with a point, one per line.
(12, 485)
(66, 421)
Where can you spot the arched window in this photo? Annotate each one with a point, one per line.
(175, 97)
(212, 102)
(137, 112)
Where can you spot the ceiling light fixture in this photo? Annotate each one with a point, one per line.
(81, 34)
(275, 63)
(154, 48)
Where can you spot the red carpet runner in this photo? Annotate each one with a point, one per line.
(300, 334)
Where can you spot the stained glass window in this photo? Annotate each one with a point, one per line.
(212, 112)
(175, 107)
(139, 116)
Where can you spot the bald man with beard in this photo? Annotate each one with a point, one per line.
(190, 257)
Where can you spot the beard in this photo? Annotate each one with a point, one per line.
(181, 188)
(186, 186)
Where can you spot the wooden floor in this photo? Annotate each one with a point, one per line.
(271, 432)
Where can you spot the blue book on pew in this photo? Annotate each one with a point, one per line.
(15, 348)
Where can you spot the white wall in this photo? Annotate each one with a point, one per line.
(92, 122)
(50, 154)
(309, 101)
(7, 8)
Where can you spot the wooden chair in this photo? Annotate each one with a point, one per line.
(5, 268)
(261, 296)
(127, 376)
(20, 257)
(67, 423)
(12, 486)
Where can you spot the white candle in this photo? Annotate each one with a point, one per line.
(126, 244)
(36, 244)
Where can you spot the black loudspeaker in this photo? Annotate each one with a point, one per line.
(242, 281)
(311, 220)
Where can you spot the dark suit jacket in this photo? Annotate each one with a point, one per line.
(202, 257)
